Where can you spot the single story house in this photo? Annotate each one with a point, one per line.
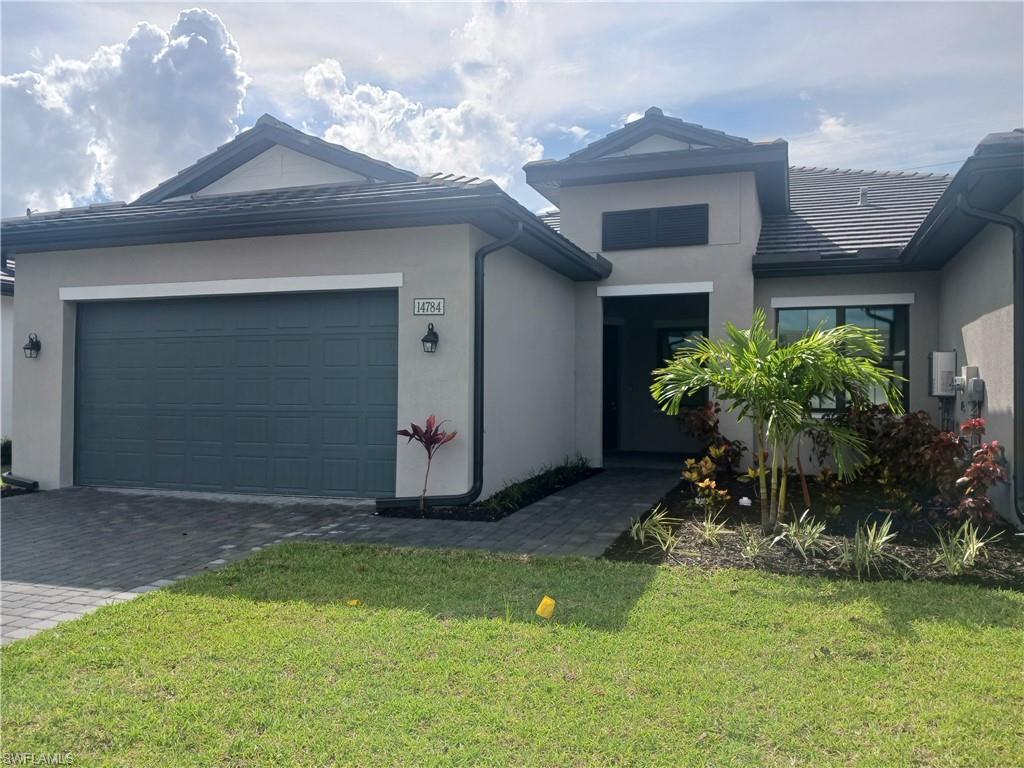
(256, 323)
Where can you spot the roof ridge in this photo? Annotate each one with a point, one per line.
(248, 138)
(869, 172)
(455, 180)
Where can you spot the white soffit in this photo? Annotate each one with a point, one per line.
(847, 300)
(655, 289)
(304, 284)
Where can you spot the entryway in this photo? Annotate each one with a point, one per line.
(640, 333)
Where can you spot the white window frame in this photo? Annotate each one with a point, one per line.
(850, 300)
(655, 289)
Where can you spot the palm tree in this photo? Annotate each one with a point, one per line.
(774, 386)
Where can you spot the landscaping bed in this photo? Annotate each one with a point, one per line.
(509, 499)
(915, 544)
(353, 655)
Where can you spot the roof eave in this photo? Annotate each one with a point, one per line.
(801, 263)
(770, 162)
(549, 247)
(655, 122)
(946, 229)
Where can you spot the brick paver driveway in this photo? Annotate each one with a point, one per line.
(67, 552)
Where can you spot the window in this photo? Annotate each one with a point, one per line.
(670, 341)
(891, 322)
(655, 227)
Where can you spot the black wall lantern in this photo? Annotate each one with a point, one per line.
(32, 346)
(430, 339)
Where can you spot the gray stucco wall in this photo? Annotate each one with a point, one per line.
(923, 313)
(435, 261)
(976, 294)
(529, 361)
(6, 363)
(734, 228)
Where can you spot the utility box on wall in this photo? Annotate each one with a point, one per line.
(941, 374)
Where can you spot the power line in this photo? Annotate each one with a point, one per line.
(933, 165)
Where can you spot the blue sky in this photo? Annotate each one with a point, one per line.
(102, 101)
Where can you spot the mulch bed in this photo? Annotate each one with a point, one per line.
(488, 511)
(915, 543)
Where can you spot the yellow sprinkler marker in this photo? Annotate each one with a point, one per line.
(354, 603)
(546, 609)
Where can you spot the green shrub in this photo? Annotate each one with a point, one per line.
(658, 527)
(870, 549)
(753, 542)
(5, 452)
(709, 529)
(805, 534)
(960, 550)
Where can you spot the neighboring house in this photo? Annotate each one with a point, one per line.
(6, 345)
(254, 324)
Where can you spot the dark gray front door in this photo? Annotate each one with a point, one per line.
(279, 394)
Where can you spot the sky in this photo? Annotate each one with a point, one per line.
(103, 101)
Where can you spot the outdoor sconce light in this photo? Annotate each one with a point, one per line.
(430, 339)
(32, 346)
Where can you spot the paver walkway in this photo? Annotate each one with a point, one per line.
(65, 553)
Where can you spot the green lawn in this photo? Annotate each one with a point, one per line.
(444, 663)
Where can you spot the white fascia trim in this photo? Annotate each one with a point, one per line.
(247, 285)
(654, 289)
(851, 300)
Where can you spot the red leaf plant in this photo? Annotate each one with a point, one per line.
(986, 469)
(431, 437)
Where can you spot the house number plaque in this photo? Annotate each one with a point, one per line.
(428, 306)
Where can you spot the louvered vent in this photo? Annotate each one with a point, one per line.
(655, 227)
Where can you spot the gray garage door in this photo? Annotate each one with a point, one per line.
(285, 394)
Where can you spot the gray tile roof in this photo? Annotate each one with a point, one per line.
(436, 187)
(655, 121)
(827, 219)
(425, 201)
(553, 219)
(268, 131)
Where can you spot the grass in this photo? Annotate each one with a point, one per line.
(444, 663)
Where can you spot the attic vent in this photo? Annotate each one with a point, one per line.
(864, 196)
(655, 227)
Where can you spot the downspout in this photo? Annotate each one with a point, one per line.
(1017, 228)
(473, 493)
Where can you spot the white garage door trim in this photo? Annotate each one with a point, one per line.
(248, 285)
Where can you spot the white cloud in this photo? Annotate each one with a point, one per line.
(578, 133)
(472, 138)
(123, 120)
(838, 142)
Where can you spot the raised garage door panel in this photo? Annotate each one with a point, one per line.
(280, 394)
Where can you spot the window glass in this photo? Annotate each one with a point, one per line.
(891, 323)
(670, 341)
(794, 323)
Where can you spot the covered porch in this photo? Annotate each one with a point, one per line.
(640, 332)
